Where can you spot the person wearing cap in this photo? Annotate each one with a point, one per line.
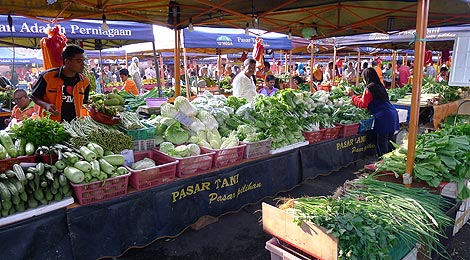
(129, 84)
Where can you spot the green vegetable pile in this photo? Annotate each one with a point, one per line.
(396, 93)
(350, 114)
(441, 156)
(83, 131)
(27, 189)
(42, 131)
(371, 217)
(446, 93)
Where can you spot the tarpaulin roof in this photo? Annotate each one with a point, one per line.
(27, 32)
(404, 38)
(329, 17)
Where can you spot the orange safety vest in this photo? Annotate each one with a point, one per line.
(53, 94)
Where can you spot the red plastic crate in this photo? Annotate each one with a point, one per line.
(256, 149)
(97, 191)
(348, 130)
(315, 136)
(163, 173)
(7, 164)
(331, 133)
(226, 156)
(192, 165)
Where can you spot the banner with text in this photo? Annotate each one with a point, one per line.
(141, 217)
(325, 157)
(23, 27)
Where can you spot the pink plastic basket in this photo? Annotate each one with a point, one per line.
(192, 165)
(314, 137)
(7, 164)
(348, 130)
(223, 157)
(97, 191)
(331, 133)
(163, 173)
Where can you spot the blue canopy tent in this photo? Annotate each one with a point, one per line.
(27, 32)
(7, 55)
(436, 38)
(228, 40)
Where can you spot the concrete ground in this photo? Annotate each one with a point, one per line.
(240, 235)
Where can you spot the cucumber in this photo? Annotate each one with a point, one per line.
(4, 212)
(32, 202)
(24, 196)
(58, 196)
(56, 183)
(38, 194)
(20, 207)
(65, 189)
(48, 194)
(15, 199)
(7, 204)
(12, 188)
(10, 174)
(5, 139)
(63, 180)
(18, 185)
(19, 173)
(40, 168)
(53, 169)
(11, 211)
(49, 175)
(83, 166)
(29, 176)
(4, 192)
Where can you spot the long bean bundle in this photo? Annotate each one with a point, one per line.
(84, 131)
(372, 217)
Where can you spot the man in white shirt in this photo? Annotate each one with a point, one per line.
(150, 72)
(243, 85)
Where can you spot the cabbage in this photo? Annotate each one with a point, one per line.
(143, 164)
(181, 151)
(194, 149)
(207, 119)
(168, 110)
(176, 134)
(183, 105)
(167, 147)
(168, 121)
(159, 139)
(197, 125)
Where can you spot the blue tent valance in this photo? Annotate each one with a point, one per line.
(231, 39)
(77, 29)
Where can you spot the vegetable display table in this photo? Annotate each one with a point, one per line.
(110, 227)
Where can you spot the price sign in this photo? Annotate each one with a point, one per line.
(183, 119)
(128, 157)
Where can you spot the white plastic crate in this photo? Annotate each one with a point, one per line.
(277, 252)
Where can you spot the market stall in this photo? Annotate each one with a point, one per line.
(109, 228)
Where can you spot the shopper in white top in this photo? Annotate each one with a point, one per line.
(243, 85)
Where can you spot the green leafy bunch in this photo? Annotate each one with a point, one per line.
(42, 131)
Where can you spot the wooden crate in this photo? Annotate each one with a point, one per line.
(307, 237)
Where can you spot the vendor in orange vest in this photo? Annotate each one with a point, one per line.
(24, 108)
(129, 84)
(62, 91)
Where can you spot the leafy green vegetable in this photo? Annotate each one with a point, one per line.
(42, 131)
